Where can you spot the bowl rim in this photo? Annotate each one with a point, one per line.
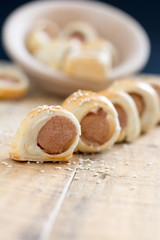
(52, 73)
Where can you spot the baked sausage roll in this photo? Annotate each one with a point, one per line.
(145, 98)
(42, 33)
(13, 82)
(127, 114)
(98, 119)
(56, 52)
(48, 133)
(154, 82)
(80, 31)
(105, 47)
(92, 61)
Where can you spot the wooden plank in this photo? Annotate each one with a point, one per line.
(125, 204)
(30, 199)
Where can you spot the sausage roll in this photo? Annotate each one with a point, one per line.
(13, 82)
(98, 119)
(92, 61)
(80, 31)
(56, 52)
(127, 114)
(154, 81)
(48, 133)
(105, 47)
(43, 32)
(145, 98)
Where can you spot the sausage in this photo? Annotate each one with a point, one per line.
(138, 99)
(56, 135)
(122, 116)
(7, 79)
(95, 128)
(78, 36)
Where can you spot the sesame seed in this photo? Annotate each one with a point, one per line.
(37, 162)
(101, 165)
(149, 163)
(9, 165)
(58, 168)
(126, 163)
(135, 176)
(98, 181)
(28, 162)
(101, 171)
(69, 169)
(76, 178)
(107, 167)
(132, 187)
(113, 167)
(42, 171)
(95, 174)
(5, 163)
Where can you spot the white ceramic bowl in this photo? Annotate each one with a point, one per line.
(113, 24)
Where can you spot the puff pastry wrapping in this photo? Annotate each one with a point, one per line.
(127, 113)
(145, 98)
(92, 61)
(48, 133)
(98, 119)
(41, 34)
(154, 81)
(79, 30)
(13, 82)
(55, 53)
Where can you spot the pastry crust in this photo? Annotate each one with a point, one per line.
(129, 118)
(42, 33)
(25, 143)
(13, 82)
(89, 104)
(154, 81)
(92, 61)
(56, 53)
(79, 30)
(146, 100)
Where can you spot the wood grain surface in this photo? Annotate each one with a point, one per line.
(113, 195)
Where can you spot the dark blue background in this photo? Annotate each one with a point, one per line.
(147, 12)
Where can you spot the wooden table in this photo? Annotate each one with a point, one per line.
(113, 195)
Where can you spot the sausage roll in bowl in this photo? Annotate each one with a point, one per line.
(48, 133)
(98, 119)
(127, 114)
(42, 33)
(13, 82)
(145, 99)
(55, 53)
(80, 31)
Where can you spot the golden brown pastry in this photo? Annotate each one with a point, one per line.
(145, 98)
(48, 133)
(127, 114)
(98, 119)
(154, 81)
(13, 82)
(80, 31)
(42, 33)
(55, 53)
(92, 61)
